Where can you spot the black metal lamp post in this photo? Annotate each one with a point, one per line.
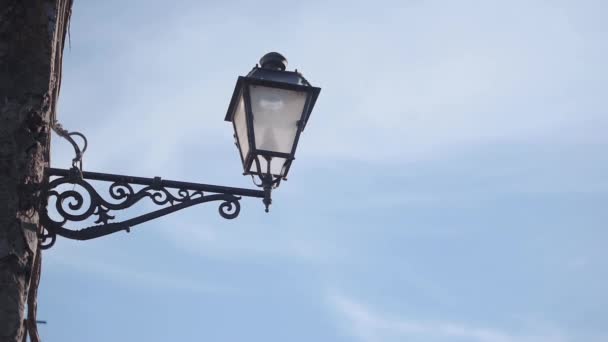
(269, 110)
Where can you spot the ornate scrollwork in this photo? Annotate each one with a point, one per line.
(77, 205)
(76, 200)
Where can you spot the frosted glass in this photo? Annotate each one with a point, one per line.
(240, 123)
(276, 166)
(275, 117)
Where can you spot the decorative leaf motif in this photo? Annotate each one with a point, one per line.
(102, 214)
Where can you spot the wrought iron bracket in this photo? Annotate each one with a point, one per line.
(76, 200)
(86, 202)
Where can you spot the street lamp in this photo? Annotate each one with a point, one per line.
(269, 110)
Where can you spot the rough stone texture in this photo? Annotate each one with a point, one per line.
(32, 33)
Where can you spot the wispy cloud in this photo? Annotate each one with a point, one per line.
(100, 266)
(368, 325)
(477, 82)
(234, 243)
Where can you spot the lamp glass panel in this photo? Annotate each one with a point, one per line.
(240, 124)
(276, 113)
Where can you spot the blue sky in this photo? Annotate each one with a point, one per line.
(451, 184)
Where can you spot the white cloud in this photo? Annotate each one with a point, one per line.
(415, 81)
(368, 325)
(110, 269)
(450, 76)
(233, 241)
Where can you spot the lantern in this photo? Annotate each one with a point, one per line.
(269, 110)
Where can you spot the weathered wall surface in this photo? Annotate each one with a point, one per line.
(31, 43)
